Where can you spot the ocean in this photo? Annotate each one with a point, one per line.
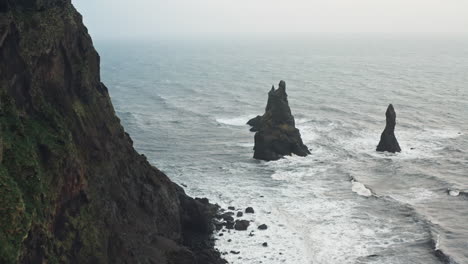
(185, 103)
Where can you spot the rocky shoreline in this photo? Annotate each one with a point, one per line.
(232, 220)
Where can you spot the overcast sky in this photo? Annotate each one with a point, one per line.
(153, 18)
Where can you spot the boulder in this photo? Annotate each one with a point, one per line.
(229, 225)
(249, 210)
(276, 134)
(241, 225)
(388, 141)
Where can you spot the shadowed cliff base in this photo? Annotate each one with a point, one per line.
(276, 134)
(388, 141)
(72, 187)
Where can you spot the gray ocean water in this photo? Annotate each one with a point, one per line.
(185, 104)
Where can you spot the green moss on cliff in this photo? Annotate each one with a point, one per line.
(13, 221)
(30, 175)
(44, 28)
(19, 187)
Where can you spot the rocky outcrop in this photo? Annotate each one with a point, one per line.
(72, 187)
(276, 134)
(388, 141)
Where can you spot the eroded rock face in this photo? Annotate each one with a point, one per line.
(276, 134)
(388, 141)
(72, 187)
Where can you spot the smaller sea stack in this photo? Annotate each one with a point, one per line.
(388, 141)
(276, 134)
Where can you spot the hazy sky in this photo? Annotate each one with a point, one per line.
(153, 18)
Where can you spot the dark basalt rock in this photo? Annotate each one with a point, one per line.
(276, 134)
(255, 123)
(218, 225)
(241, 225)
(228, 217)
(249, 210)
(388, 141)
(229, 224)
(263, 227)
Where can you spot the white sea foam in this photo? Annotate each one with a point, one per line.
(308, 135)
(361, 189)
(297, 175)
(335, 231)
(234, 121)
(246, 145)
(300, 121)
(414, 195)
(437, 243)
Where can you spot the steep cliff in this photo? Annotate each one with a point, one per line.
(276, 133)
(72, 188)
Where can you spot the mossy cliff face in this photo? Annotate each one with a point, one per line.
(72, 188)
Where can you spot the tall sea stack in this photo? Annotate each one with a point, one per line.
(276, 134)
(72, 187)
(388, 141)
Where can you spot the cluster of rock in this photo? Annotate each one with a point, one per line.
(277, 136)
(226, 222)
(276, 133)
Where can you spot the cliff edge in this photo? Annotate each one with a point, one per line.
(72, 187)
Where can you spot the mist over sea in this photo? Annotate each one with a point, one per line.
(185, 104)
